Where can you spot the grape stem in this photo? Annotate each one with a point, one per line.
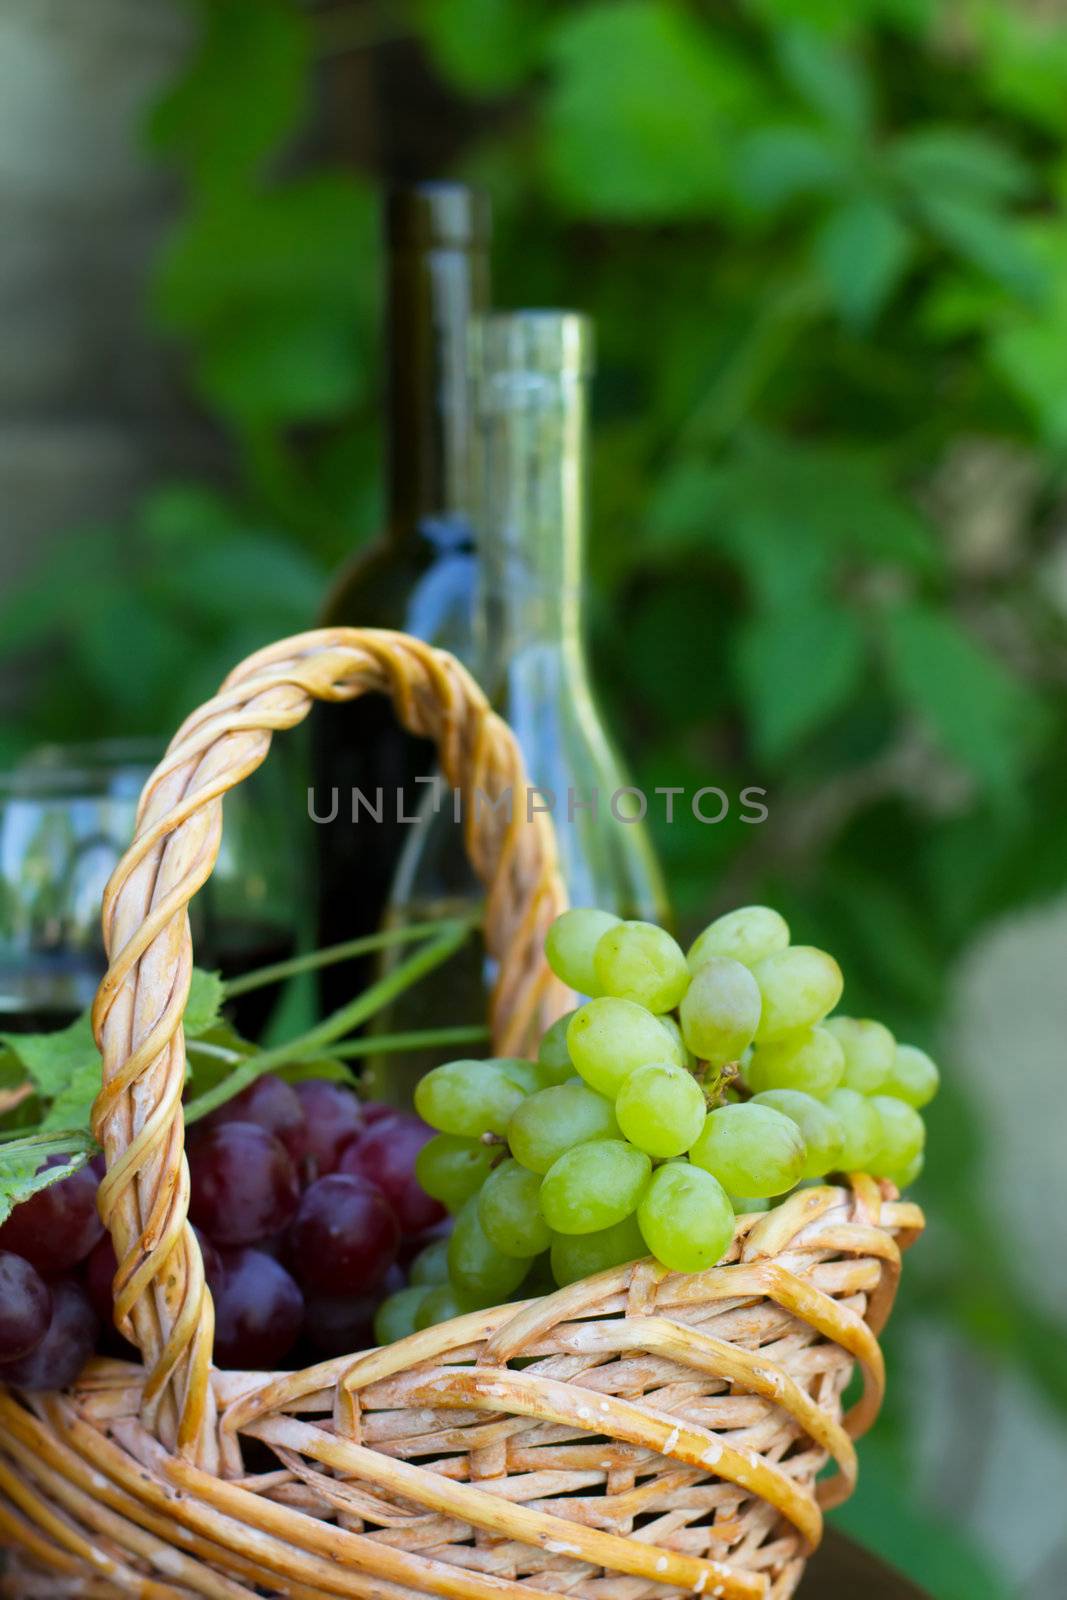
(715, 1083)
(326, 957)
(451, 934)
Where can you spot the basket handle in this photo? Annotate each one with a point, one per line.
(161, 1299)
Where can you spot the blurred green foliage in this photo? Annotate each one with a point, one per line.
(825, 247)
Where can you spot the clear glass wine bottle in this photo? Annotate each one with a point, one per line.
(530, 377)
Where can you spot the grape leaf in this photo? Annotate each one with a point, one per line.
(783, 162)
(243, 90)
(484, 46)
(830, 77)
(796, 668)
(65, 1065)
(862, 250)
(639, 111)
(21, 1160)
(959, 161)
(53, 1059)
(984, 717)
(203, 1008)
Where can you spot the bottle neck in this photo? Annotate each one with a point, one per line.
(532, 444)
(435, 284)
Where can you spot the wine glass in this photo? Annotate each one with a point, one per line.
(67, 814)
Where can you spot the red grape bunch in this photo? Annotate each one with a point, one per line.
(305, 1203)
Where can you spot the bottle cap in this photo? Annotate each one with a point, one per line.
(550, 343)
(448, 215)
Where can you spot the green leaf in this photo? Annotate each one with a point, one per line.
(1030, 349)
(862, 250)
(830, 77)
(73, 1103)
(781, 163)
(959, 162)
(268, 577)
(203, 1008)
(1023, 62)
(243, 91)
(52, 1059)
(301, 245)
(844, 17)
(282, 364)
(984, 238)
(787, 515)
(796, 668)
(128, 653)
(483, 46)
(983, 716)
(638, 112)
(21, 1159)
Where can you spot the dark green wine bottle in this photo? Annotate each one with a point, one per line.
(420, 575)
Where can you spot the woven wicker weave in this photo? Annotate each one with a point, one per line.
(641, 1433)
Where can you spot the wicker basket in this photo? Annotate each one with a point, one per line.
(641, 1433)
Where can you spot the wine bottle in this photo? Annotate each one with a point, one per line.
(530, 377)
(419, 576)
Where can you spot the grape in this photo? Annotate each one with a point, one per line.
(810, 1060)
(746, 935)
(444, 1303)
(452, 1169)
(579, 1255)
(374, 1110)
(475, 1265)
(902, 1135)
(720, 1010)
(593, 1186)
(823, 1135)
(538, 1280)
(101, 1266)
(25, 1307)
(554, 1120)
(744, 1205)
(341, 1325)
(660, 1109)
(56, 1227)
(869, 1051)
(395, 1317)
(913, 1077)
(242, 1184)
(640, 962)
(509, 1213)
(467, 1098)
(679, 1051)
(529, 1076)
(798, 987)
(345, 1236)
(272, 1104)
(430, 1266)
(332, 1116)
(258, 1311)
(860, 1126)
(751, 1149)
(907, 1175)
(553, 1053)
(686, 1218)
(609, 1038)
(59, 1356)
(385, 1154)
(570, 945)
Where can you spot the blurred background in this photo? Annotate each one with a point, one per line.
(825, 247)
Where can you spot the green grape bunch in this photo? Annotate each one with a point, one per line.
(686, 1090)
